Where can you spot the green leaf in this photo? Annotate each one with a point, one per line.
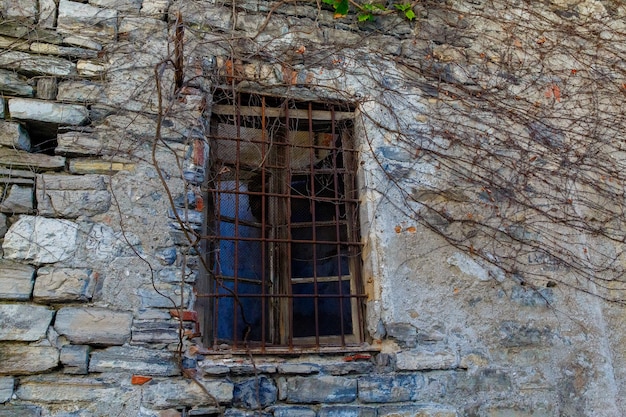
(331, 2)
(341, 7)
(364, 17)
(409, 14)
(403, 7)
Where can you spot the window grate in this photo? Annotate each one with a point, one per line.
(282, 236)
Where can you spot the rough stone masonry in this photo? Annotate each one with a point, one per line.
(95, 267)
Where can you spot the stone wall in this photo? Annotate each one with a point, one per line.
(97, 271)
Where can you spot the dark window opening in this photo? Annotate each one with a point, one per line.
(282, 235)
(43, 136)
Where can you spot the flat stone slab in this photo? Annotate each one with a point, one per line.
(34, 161)
(169, 393)
(136, 360)
(419, 410)
(71, 196)
(70, 51)
(121, 5)
(92, 166)
(47, 111)
(24, 322)
(83, 19)
(348, 411)
(20, 359)
(41, 240)
(81, 91)
(64, 284)
(37, 64)
(93, 325)
(65, 389)
(16, 281)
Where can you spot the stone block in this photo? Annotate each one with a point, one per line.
(155, 8)
(14, 135)
(18, 201)
(3, 225)
(14, 44)
(20, 359)
(16, 281)
(155, 331)
(54, 389)
(321, 389)
(86, 20)
(425, 360)
(80, 91)
(64, 284)
(47, 13)
(37, 64)
(91, 166)
(19, 411)
(420, 410)
(138, 28)
(72, 182)
(25, 10)
(72, 196)
(90, 68)
(83, 143)
(254, 393)
(66, 51)
(344, 368)
(82, 42)
(298, 368)
(35, 161)
(46, 111)
(24, 322)
(134, 359)
(293, 411)
(40, 240)
(14, 85)
(75, 359)
(202, 411)
(234, 412)
(7, 384)
(46, 86)
(93, 325)
(390, 388)
(347, 411)
(213, 369)
(167, 393)
(249, 369)
(121, 5)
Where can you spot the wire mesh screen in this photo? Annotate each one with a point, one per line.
(283, 243)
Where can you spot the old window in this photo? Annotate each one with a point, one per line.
(282, 240)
